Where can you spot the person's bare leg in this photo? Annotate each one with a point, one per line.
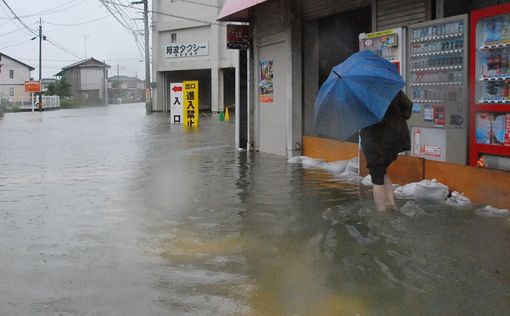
(379, 197)
(389, 196)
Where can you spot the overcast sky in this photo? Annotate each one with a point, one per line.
(83, 27)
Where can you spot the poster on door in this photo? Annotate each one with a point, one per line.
(176, 103)
(266, 81)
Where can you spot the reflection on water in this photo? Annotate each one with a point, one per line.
(180, 223)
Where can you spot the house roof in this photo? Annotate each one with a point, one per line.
(28, 66)
(82, 62)
(124, 78)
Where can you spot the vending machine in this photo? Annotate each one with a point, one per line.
(489, 144)
(389, 44)
(437, 84)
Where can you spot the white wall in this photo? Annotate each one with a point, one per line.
(91, 79)
(201, 26)
(21, 74)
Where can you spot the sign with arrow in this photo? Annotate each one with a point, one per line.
(176, 102)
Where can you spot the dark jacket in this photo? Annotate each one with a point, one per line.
(382, 142)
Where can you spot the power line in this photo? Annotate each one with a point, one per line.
(17, 44)
(123, 21)
(82, 23)
(20, 21)
(170, 15)
(54, 10)
(54, 43)
(17, 30)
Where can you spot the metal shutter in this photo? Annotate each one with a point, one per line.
(395, 13)
(314, 9)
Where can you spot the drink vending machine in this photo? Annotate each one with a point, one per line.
(389, 44)
(490, 88)
(437, 84)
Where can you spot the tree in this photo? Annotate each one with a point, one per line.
(61, 88)
(64, 88)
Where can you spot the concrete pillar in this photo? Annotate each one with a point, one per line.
(158, 93)
(215, 77)
(214, 55)
(237, 100)
(221, 90)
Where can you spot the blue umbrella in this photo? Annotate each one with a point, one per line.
(356, 95)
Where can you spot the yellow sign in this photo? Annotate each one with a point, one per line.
(190, 103)
(381, 33)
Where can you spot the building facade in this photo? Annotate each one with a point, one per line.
(13, 74)
(189, 44)
(300, 41)
(124, 89)
(89, 81)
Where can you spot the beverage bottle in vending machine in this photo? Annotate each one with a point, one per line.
(504, 64)
(417, 142)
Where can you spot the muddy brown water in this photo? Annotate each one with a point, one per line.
(107, 211)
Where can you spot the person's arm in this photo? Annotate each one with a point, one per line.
(405, 106)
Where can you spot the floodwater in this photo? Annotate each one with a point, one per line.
(107, 211)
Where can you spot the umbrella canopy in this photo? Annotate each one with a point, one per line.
(356, 94)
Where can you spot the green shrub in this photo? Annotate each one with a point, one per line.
(68, 103)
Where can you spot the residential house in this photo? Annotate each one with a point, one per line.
(125, 89)
(89, 81)
(45, 82)
(13, 74)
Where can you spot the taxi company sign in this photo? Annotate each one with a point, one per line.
(187, 50)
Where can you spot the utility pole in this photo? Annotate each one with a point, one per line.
(40, 63)
(148, 98)
(118, 84)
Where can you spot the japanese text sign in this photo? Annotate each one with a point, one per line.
(190, 103)
(176, 102)
(238, 36)
(32, 86)
(187, 50)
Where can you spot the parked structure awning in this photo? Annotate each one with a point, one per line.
(237, 10)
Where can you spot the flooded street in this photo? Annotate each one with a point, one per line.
(108, 211)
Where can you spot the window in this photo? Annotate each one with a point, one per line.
(11, 74)
(173, 37)
(11, 92)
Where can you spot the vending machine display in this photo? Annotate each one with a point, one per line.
(437, 85)
(389, 44)
(490, 84)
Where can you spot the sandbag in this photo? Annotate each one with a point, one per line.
(335, 166)
(458, 199)
(406, 192)
(367, 181)
(353, 165)
(431, 190)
